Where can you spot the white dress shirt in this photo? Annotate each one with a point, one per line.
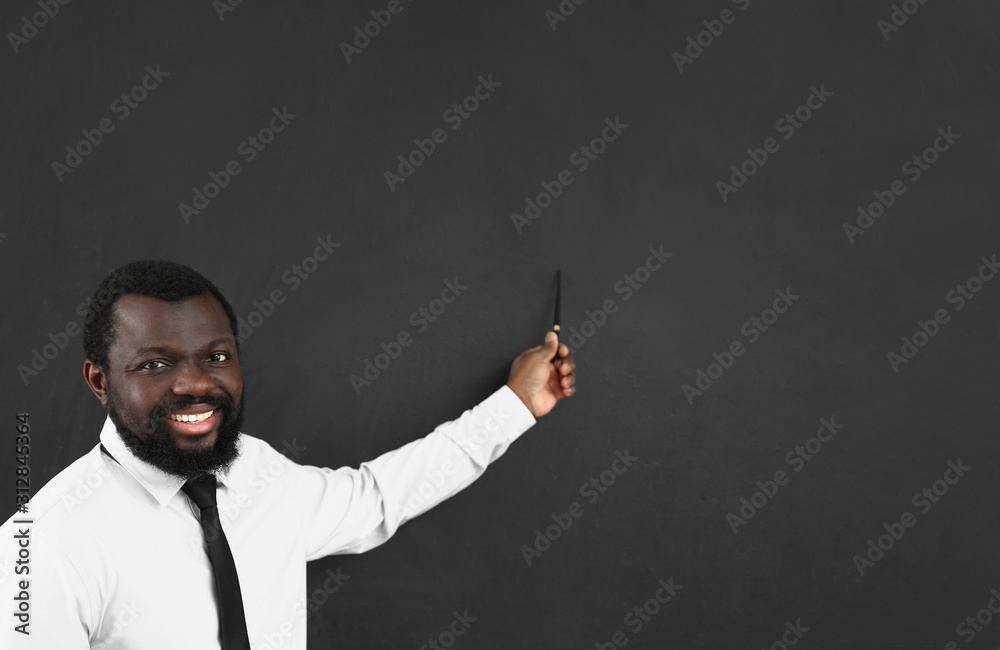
(117, 556)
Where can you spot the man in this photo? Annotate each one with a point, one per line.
(127, 548)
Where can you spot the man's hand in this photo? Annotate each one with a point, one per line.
(539, 381)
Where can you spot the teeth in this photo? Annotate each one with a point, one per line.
(191, 418)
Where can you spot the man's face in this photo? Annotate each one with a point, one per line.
(171, 362)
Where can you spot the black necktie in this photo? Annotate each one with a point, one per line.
(232, 620)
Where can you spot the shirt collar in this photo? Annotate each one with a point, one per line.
(162, 486)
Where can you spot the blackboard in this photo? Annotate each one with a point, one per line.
(777, 229)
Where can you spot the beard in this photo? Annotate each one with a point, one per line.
(159, 450)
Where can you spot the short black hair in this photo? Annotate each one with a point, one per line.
(160, 279)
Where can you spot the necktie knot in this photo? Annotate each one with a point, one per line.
(202, 491)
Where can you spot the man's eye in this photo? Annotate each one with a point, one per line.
(219, 356)
(149, 365)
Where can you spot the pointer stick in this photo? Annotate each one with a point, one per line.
(555, 326)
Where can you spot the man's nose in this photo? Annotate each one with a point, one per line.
(192, 379)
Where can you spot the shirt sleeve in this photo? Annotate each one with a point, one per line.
(353, 510)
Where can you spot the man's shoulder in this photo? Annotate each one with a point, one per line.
(64, 513)
(265, 476)
(261, 463)
(255, 451)
(64, 495)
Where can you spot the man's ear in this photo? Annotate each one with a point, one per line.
(97, 380)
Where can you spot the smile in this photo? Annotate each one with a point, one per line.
(200, 417)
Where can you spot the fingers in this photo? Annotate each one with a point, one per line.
(568, 385)
(566, 369)
(566, 365)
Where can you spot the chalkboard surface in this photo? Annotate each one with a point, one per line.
(778, 232)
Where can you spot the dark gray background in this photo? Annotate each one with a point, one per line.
(666, 516)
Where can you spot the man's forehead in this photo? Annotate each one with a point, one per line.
(143, 320)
